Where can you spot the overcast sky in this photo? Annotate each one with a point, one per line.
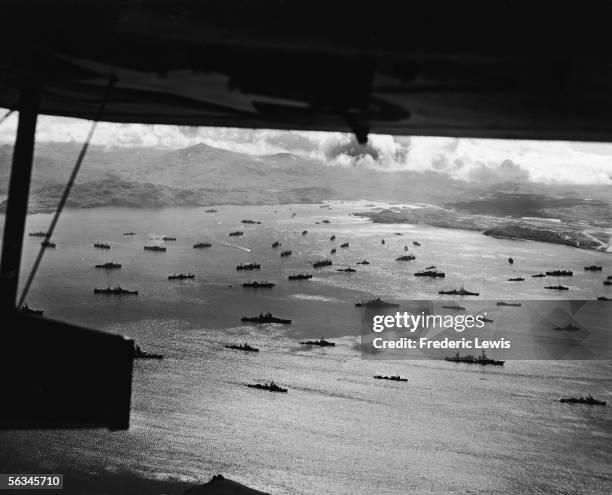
(484, 160)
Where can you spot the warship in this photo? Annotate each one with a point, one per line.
(458, 292)
(236, 233)
(556, 287)
(25, 309)
(161, 249)
(395, 378)
(304, 232)
(432, 267)
(38, 234)
(101, 245)
(129, 233)
(487, 320)
(348, 270)
(382, 242)
(569, 328)
(516, 279)
(605, 282)
(48, 244)
(333, 251)
(538, 275)
(325, 221)
(430, 273)
(211, 210)
(202, 245)
(248, 266)
(168, 238)
(376, 303)
(270, 387)
(276, 244)
(321, 263)
(560, 273)
(115, 291)
(588, 400)
(344, 245)
(483, 360)
(259, 285)
(246, 347)
(332, 238)
(286, 253)
(364, 262)
(455, 307)
(406, 257)
(265, 318)
(181, 276)
(140, 354)
(109, 266)
(504, 303)
(609, 277)
(321, 343)
(300, 276)
(593, 268)
(603, 298)
(250, 222)
(511, 260)
(416, 243)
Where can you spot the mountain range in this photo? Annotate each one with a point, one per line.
(202, 175)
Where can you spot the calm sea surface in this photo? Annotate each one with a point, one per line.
(449, 429)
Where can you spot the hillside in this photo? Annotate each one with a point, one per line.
(204, 175)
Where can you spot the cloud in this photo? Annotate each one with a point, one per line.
(481, 160)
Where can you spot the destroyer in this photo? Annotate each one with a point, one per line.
(284, 254)
(38, 234)
(300, 276)
(322, 263)
(259, 285)
(538, 275)
(246, 347)
(140, 354)
(101, 245)
(395, 378)
(344, 245)
(516, 279)
(181, 276)
(430, 273)
(456, 307)
(593, 268)
(483, 360)
(161, 249)
(115, 291)
(168, 238)
(248, 266)
(560, 273)
(48, 244)
(109, 266)
(348, 270)
(265, 318)
(237, 233)
(406, 257)
(270, 387)
(321, 343)
(569, 328)
(556, 287)
(376, 303)
(503, 303)
(202, 245)
(364, 262)
(458, 292)
(589, 400)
